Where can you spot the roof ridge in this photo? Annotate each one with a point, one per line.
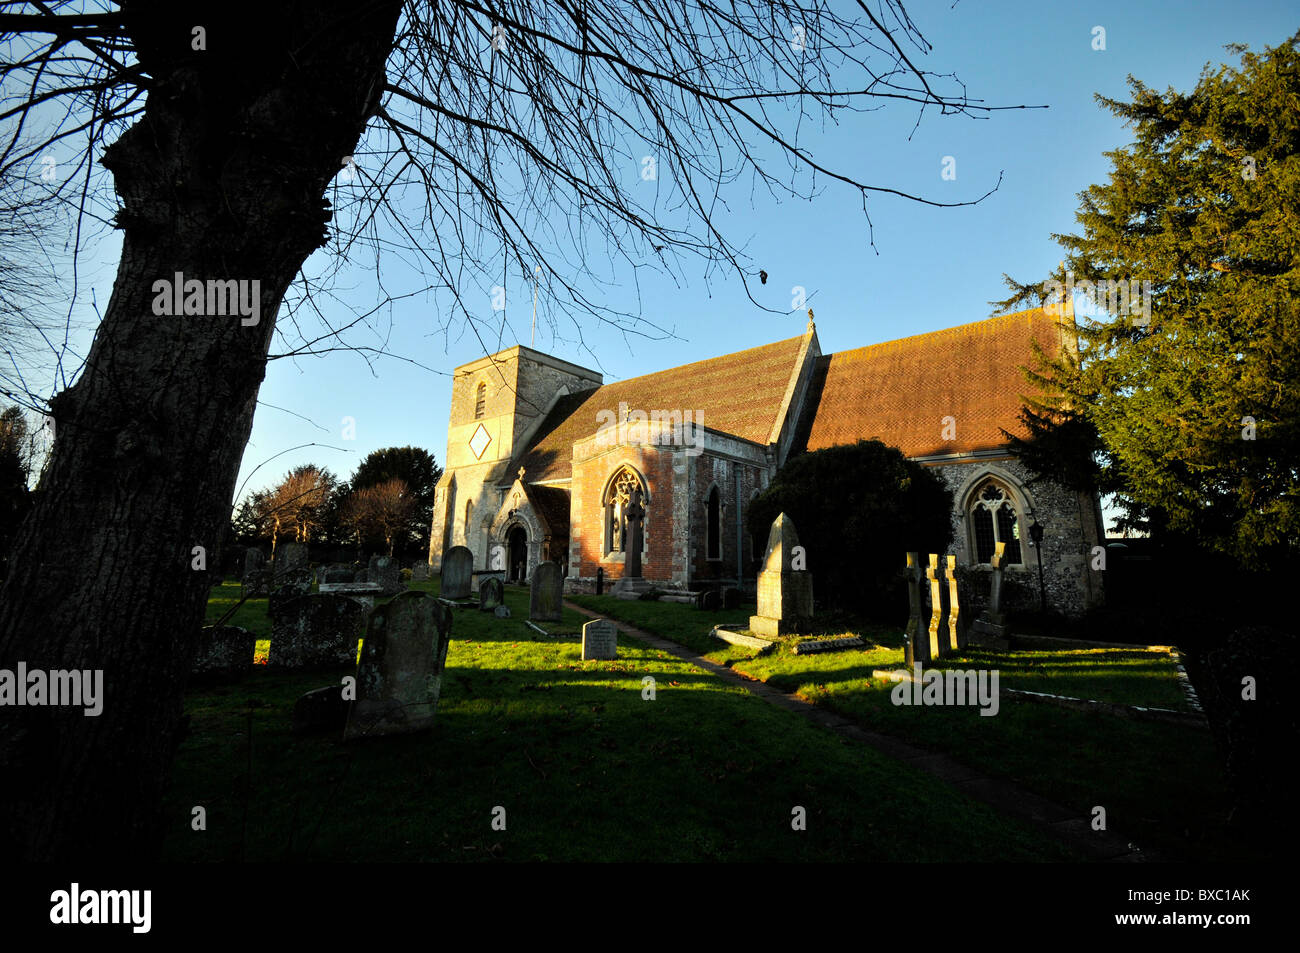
(716, 357)
(970, 327)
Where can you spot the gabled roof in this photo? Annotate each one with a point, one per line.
(739, 394)
(551, 504)
(900, 391)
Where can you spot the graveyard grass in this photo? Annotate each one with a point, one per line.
(585, 768)
(1160, 783)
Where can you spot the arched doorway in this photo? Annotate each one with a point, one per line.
(517, 554)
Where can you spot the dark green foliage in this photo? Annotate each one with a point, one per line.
(414, 465)
(858, 510)
(1193, 393)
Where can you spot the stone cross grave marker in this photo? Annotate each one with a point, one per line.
(399, 678)
(545, 600)
(916, 642)
(956, 624)
(599, 640)
(457, 570)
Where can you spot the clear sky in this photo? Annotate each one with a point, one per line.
(931, 268)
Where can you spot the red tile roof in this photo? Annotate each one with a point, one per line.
(739, 394)
(900, 391)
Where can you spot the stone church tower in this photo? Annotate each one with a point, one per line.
(497, 405)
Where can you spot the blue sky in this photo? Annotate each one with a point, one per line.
(931, 267)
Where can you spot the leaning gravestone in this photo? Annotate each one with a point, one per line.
(383, 570)
(317, 631)
(225, 653)
(785, 599)
(400, 675)
(599, 640)
(491, 593)
(457, 570)
(420, 572)
(544, 604)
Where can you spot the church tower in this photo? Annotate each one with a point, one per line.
(497, 404)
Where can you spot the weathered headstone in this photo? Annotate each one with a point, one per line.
(915, 644)
(709, 600)
(338, 574)
(363, 592)
(420, 571)
(785, 598)
(225, 653)
(317, 631)
(457, 570)
(285, 589)
(254, 560)
(935, 575)
(491, 593)
(599, 640)
(545, 600)
(501, 612)
(384, 570)
(289, 557)
(956, 624)
(256, 583)
(324, 709)
(400, 675)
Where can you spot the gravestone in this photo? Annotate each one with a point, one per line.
(290, 557)
(785, 598)
(286, 588)
(254, 560)
(491, 593)
(317, 631)
(545, 600)
(420, 572)
(501, 612)
(399, 678)
(324, 709)
(731, 598)
(915, 642)
(991, 628)
(599, 640)
(935, 575)
(709, 600)
(338, 574)
(383, 570)
(457, 569)
(256, 583)
(363, 592)
(956, 624)
(225, 653)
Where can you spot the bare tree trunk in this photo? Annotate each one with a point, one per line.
(221, 179)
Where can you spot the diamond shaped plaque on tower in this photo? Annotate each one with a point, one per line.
(479, 442)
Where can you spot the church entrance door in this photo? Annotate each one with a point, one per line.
(517, 555)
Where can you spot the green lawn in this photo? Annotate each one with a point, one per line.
(1160, 782)
(584, 766)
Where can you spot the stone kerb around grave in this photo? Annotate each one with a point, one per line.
(399, 678)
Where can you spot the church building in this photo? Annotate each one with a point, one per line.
(543, 456)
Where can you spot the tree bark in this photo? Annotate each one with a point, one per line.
(222, 178)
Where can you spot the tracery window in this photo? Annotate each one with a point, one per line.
(993, 520)
(617, 496)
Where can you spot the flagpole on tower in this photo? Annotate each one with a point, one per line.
(532, 337)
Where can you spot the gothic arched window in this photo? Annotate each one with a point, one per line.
(480, 401)
(618, 494)
(713, 521)
(993, 520)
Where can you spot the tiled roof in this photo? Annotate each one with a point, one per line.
(739, 394)
(552, 504)
(900, 392)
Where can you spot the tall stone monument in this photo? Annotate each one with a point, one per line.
(991, 627)
(457, 571)
(785, 596)
(631, 584)
(399, 678)
(916, 642)
(956, 623)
